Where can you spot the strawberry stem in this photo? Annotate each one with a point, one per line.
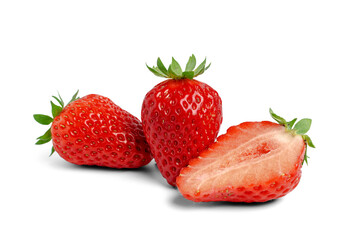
(175, 71)
(300, 128)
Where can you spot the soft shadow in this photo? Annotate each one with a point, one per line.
(181, 202)
(67, 165)
(148, 173)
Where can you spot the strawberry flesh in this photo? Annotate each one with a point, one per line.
(252, 162)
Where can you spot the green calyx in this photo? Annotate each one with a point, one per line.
(299, 128)
(46, 120)
(175, 71)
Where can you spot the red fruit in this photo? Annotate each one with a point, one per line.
(94, 131)
(181, 117)
(252, 162)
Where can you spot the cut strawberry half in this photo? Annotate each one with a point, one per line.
(252, 162)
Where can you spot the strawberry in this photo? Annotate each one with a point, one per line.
(252, 162)
(181, 116)
(94, 131)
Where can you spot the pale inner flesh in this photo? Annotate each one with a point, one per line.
(250, 161)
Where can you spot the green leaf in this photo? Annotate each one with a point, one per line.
(59, 100)
(41, 141)
(188, 75)
(43, 119)
(176, 68)
(155, 71)
(160, 72)
(46, 137)
(56, 110)
(191, 63)
(74, 97)
(305, 158)
(207, 67)
(173, 75)
(291, 123)
(200, 69)
(277, 118)
(308, 141)
(302, 126)
(200, 72)
(161, 67)
(52, 151)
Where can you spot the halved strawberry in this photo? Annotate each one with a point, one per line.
(252, 162)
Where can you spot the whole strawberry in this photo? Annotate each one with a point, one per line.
(181, 116)
(94, 131)
(252, 162)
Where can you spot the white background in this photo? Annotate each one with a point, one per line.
(302, 58)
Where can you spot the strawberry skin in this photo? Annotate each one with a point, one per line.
(252, 162)
(180, 119)
(94, 131)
